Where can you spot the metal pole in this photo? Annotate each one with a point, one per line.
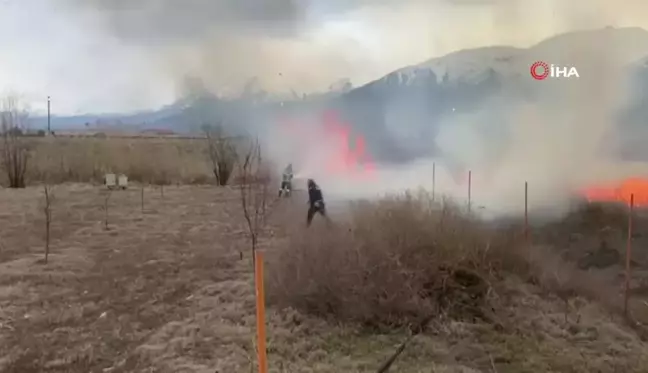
(49, 128)
(469, 189)
(626, 294)
(526, 211)
(433, 181)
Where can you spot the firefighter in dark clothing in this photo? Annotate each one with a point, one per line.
(315, 201)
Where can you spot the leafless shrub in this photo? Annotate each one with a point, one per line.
(161, 180)
(222, 153)
(253, 184)
(395, 262)
(15, 151)
(400, 259)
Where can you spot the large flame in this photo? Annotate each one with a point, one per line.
(341, 152)
(345, 160)
(621, 192)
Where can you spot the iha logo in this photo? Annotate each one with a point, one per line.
(541, 70)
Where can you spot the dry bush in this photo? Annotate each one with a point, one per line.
(222, 153)
(401, 259)
(15, 150)
(594, 235)
(590, 218)
(395, 262)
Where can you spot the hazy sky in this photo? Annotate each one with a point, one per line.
(122, 55)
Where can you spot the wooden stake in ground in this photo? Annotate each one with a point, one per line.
(262, 358)
(433, 181)
(469, 190)
(626, 295)
(47, 209)
(142, 198)
(526, 212)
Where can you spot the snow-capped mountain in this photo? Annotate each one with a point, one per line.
(407, 107)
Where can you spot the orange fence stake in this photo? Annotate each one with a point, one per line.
(260, 312)
(628, 257)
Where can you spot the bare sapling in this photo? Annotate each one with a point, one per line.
(15, 151)
(105, 207)
(142, 198)
(47, 210)
(254, 191)
(222, 153)
(161, 180)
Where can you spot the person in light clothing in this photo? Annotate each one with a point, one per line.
(286, 180)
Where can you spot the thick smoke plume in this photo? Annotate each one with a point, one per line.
(313, 43)
(557, 143)
(560, 143)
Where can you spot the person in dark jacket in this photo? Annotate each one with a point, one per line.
(315, 201)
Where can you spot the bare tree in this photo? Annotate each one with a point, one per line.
(254, 192)
(222, 153)
(47, 210)
(15, 152)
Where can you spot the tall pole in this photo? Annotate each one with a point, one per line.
(469, 190)
(628, 258)
(526, 211)
(262, 358)
(433, 181)
(49, 127)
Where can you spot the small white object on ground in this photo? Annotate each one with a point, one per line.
(122, 181)
(110, 180)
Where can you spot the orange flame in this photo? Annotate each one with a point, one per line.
(347, 157)
(350, 162)
(636, 187)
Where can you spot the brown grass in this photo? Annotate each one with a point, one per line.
(152, 161)
(164, 290)
(396, 261)
(401, 260)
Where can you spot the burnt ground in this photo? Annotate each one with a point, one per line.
(163, 290)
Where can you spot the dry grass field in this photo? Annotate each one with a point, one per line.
(148, 160)
(160, 286)
(163, 290)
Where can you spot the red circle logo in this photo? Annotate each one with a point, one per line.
(539, 70)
